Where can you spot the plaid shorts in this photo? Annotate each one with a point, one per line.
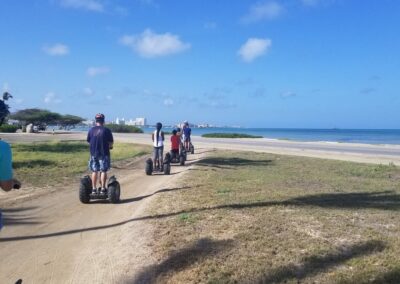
(99, 164)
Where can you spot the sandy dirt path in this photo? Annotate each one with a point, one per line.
(53, 238)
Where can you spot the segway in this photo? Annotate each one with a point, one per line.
(182, 151)
(176, 158)
(165, 169)
(191, 148)
(112, 192)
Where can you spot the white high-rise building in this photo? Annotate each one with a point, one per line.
(139, 121)
(120, 121)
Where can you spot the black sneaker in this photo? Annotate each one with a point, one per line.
(94, 191)
(103, 191)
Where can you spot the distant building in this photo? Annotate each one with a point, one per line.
(120, 121)
(139, 121)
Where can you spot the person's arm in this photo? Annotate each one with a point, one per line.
(152, 136)
(88, 137)
(6, 181)
(162, 135)
(111, 143)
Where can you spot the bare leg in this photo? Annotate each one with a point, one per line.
(103, 178)
(94, 179)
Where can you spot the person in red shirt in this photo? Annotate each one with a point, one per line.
(175, 140)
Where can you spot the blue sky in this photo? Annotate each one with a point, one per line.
(292, 63)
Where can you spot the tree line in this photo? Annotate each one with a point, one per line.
(36, 116)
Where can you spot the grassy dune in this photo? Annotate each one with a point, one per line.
(50, 163)
(263, 218)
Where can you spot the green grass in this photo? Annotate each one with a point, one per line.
(279, 219)
(50, 163)
(229, 135)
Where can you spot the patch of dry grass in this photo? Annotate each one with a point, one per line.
(43, 164)
(278, 219)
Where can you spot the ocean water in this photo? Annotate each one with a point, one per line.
(367, 136)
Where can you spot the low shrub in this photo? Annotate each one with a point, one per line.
(124, 128)
(7, 128)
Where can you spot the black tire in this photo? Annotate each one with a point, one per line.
(181, 160)
(149, 167)
(85, 189)
(168, 157)
(167, 169)
(192, 149)
(114, 192)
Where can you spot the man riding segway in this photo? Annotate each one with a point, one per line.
(101, 141)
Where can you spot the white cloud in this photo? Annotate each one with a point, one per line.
(88, 91)
(90, 5)
(253, 48)
(263, 11)
(168, 102)
(94, 71)
(149, 44)
(51, 98)
(57, 49)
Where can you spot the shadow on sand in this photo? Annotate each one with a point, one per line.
(33, 164)
(18, 216)
(229, 163)
(384, 200)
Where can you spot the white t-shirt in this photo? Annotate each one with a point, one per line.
(160, 139)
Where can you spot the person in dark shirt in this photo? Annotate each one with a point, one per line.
(187, 131)
(101, 141)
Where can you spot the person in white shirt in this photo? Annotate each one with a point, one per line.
(158, 144)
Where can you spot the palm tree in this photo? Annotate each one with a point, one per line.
(4, 108)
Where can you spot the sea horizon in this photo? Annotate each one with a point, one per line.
(340, 135)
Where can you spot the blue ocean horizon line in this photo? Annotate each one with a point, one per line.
(340, 135)
(367, 136)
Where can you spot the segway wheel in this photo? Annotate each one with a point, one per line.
(181, 160)
(192, 149)
(85, 189)
(114, 192)
(167, 169)
(149, 167)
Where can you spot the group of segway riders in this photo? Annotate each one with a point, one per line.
(101, 141)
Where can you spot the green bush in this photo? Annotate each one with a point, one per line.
(6, 128)
(124, 128)
(229, 135)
